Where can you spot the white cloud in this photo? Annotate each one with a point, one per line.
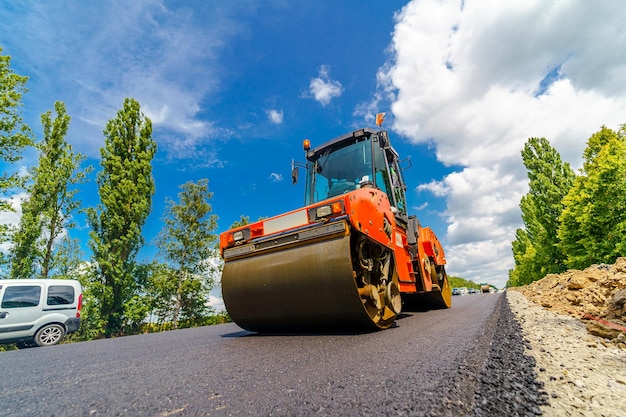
(478, 79)
(274, 177)
(216, 301)
(323, 89)
(163, 55)
(275, 116)
(12, 218)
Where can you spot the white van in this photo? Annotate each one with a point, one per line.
(39, 312)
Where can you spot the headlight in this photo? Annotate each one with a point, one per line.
(323, 211)
(240, 236)
(326, 211)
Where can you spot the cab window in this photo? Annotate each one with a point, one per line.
(21, 296)
(339, 170)
(380, 169)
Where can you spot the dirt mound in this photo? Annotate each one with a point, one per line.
(597, 295)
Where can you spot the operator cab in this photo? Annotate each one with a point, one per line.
(363, 158)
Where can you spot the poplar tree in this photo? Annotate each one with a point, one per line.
(187, 244)
(535, 249)
(126, 187)
(14, 134)
(593, 223)
(47, 212)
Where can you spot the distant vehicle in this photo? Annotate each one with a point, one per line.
(39, 312)
(456, 291)
(464, 291)
(472, 291)
(485, 288)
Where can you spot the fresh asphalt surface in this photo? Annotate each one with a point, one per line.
(430, 363)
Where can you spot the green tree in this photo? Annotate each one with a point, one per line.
(243, 220)
(14, 134)
(69, 259)
(593, 223)
(456, 282)
(159, 294)
(524, 256)
(187, 244)
(535, 249)
(91, 320)
(126, 187)
(47, 212)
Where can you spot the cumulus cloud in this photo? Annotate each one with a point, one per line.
(275, 116)
(477, 79)
(274, 177)
(323, 89)
(11, 218)
(216, 301)
(215, 295)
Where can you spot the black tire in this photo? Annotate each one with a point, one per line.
(49, 335)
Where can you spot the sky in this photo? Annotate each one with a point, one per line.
(232, 89)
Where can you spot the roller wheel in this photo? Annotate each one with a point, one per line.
(440, 297)
(378, 282)
(330, 285)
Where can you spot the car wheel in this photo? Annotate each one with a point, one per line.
(49, 335)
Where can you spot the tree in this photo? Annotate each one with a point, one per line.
(14, 134)
(187, 244)
(243, 220)
(524, 255)
(126, 187)
(535, 249)
(593, 223)
(47, 212)
(159, 294)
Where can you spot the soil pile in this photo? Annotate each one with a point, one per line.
(597, 295)
(583, 375)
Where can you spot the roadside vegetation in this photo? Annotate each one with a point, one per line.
(121, 295)
(458, 282)
(571, 221)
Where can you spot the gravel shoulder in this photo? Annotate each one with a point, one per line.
(583, 375)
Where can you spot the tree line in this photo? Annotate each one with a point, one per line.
(121, 295)
(571, 221)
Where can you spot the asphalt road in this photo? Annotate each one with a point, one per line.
(428, 364)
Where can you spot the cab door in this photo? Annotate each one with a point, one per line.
(20, 308)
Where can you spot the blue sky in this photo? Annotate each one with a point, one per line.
(232, 88)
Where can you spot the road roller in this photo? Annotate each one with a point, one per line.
(351, 259)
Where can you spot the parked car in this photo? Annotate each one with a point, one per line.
(456, 291)
(39, 312)
(464, 291)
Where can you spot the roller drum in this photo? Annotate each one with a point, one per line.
(307, 287)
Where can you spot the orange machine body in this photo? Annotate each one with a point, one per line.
(350, 257)
(367, 211)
